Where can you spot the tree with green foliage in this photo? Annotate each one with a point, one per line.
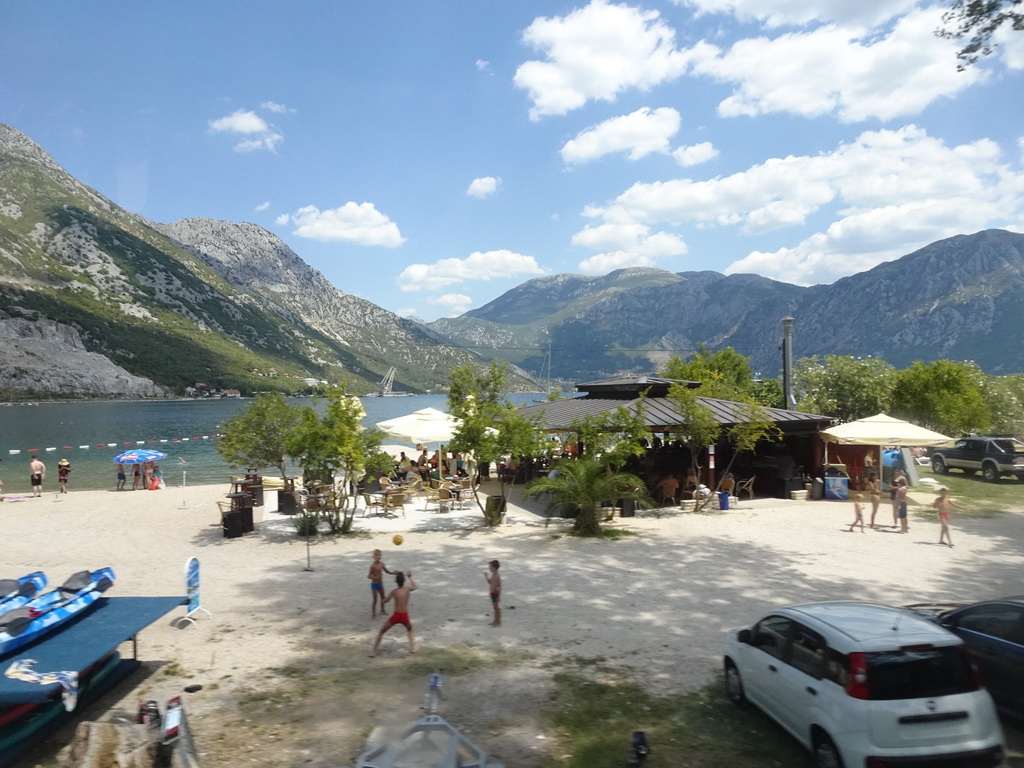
(581, 485)
(258, 436)
(724, 373)
(979, 20)
(488, 424)
(613, 436)
(848, 388)
(1005, 398)
(698, 426)
(333, 448)
(945, 396)
(770, 393)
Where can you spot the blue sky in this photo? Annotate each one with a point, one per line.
(430, 156)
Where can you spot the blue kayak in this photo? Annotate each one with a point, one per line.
(48, 611)
(15, 593)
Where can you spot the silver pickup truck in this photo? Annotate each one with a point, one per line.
(993, 456)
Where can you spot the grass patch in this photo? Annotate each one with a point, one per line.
(596, 707)
(981, 498)
(614, 534)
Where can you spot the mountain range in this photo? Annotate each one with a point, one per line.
(961, 298)
(95, 300)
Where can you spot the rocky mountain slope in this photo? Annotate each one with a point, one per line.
(960, 298)
(197, 300)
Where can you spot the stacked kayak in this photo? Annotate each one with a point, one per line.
(14, 593)
(42, 613)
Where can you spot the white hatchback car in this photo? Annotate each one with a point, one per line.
(866, 686)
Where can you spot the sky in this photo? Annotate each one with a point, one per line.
(429, 156)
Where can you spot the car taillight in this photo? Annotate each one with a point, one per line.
(857, 684)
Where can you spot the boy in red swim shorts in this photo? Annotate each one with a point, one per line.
(942, 504)
(494, 585)
(401, 614)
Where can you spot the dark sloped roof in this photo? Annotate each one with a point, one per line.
(660, 413)
(631, 386)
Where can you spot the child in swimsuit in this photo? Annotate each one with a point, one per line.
(401, 615)
(376, 577)
(942, 504)
(494, 585)
(858, 514)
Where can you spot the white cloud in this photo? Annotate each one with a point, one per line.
(259, 134)
(483, 187)
(483, 65)
(627, 244)
(282, 220)
(640, 133)
(353, 222)
(887, 192)
(846, 71)
(262, 206)
(1010, 46)
(456, 303)
(240, 121)
(477, 266)
(272, 106)
(596, 52)
(695, 154)
(782, 12)
(406, 311)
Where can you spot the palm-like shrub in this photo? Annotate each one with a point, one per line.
(582, 484)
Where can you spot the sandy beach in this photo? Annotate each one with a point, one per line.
(657, 602)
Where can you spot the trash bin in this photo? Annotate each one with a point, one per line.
(723, 500)
(232, 520)
(628, 508)
(817, 489)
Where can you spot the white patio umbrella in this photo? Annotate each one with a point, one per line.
(427, 425)
(883, 430)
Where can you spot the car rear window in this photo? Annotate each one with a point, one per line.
(917, 673)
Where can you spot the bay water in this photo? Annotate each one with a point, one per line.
(91, 434)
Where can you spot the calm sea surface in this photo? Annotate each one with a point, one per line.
(83, 432)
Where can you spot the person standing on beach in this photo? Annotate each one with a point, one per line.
(494, 586)
(401, 615)
(376, 577)
(876, 496)
(898, 480)
(63, 473)
(120, 477)
(37, 473)
(901, 506)
(942, 504)
(136, 476)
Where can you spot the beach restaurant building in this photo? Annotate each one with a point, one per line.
(778, 466)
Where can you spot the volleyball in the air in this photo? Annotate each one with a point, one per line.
(398, 539)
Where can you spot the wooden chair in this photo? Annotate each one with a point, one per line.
(395, 501)
(372, 502)
(746, 485)
(445, 499)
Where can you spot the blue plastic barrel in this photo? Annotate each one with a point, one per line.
(723, 500)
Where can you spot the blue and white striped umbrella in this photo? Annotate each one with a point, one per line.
(139, 457)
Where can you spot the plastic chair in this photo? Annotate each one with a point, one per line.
(746, 485)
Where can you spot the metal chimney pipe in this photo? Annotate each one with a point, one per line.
(787, 362)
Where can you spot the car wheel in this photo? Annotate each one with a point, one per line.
(825, 753)
(989, 473)
(939, 466)
(734, 684)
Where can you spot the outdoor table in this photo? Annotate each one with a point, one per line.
(241, 502)
(387, 509)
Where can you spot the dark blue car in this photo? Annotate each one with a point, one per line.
(993, 630)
